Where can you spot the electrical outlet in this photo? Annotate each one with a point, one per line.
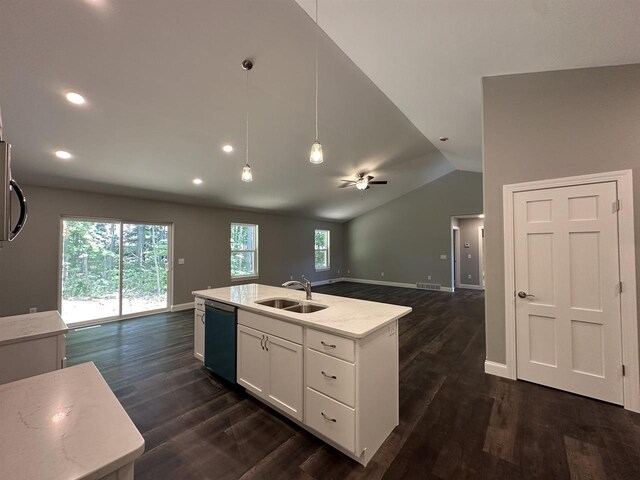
(469, 256)
(209, 287)
(181, 261)
(290, 277)
(443, 257)
(33, 309)
(428, 277)
(338, 270)
(382, 274)
(348, 271)
(469, 277)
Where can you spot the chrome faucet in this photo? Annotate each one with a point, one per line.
(306, 285)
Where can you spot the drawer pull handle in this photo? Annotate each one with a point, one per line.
(329, 376)
(328, 418)
(327, 345)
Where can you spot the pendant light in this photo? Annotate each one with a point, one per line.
(316, 149)
(246, 170)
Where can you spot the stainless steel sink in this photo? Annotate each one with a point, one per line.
(305, 308)
(279, 303)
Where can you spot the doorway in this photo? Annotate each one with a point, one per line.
(570, 291)
(467, 251)
(112, 269)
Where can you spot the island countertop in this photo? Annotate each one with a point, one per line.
(344, 316)
(19, 328)
(65, 424)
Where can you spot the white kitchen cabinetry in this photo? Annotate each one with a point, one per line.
(350, 385)
(285, 375)
(198, 330)
(270, 366)
(31, 344)
(252, 365)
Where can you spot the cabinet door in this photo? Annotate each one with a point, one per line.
(198, 335)
(285, 375)
(252, 361)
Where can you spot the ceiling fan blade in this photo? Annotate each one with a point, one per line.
(369, 178)
(345, 185)
(378, 182)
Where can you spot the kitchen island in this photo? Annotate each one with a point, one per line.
(330, 364)
(66, 425)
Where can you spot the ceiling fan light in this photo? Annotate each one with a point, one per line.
(362, 183)
(316, 153)
(246, 173)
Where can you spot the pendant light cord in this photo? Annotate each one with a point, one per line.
(247, 95)
(316, 70)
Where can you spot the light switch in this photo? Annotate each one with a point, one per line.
(469, 256)
(181, 261)
(443, 257)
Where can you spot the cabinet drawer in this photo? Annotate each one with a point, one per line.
(331, 376)
(200, 304)
(340, 347)
(288, 331)
(332, 419)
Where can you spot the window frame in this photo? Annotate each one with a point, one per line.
(328, 249)
(255, 274)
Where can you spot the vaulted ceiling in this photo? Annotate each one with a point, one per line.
(165, 91)
(429, 56)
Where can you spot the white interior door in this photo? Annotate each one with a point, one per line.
(568, 327)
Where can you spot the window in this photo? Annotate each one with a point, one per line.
(322, 249)
(110, 268)
(244, 250)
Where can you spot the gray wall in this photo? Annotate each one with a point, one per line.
(469, 266)
(405, 237)
(550, 125)
(29, 265)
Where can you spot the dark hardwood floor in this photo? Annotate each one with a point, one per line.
(455, 421)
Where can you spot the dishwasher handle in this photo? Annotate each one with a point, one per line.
(220, 306)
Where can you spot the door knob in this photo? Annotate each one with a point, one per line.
(525, 295)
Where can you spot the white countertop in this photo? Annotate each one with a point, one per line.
(67, 425)
(19, 328)
(344, 316)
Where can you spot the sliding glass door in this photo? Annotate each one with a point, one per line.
(112, 269)
(144, 267)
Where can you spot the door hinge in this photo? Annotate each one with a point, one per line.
(624, 371)
(616, 206)
(619, 287)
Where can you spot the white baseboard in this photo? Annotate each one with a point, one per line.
(183, 306)
(470, 287)
(495, 368)
(391, 284)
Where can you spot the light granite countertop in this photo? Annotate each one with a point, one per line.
(67, 425)
(344, 316)
(19, 328)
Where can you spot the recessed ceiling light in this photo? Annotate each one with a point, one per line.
(63, 155)
(444, 139)
(227, 148)
(75, 98)
(197, 181)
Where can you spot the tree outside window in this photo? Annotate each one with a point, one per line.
(244, 250)
(322, 249)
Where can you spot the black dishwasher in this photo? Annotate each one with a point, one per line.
(220, 330)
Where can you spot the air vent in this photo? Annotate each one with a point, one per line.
(428, 286)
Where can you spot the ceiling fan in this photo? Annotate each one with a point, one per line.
(362, 182)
